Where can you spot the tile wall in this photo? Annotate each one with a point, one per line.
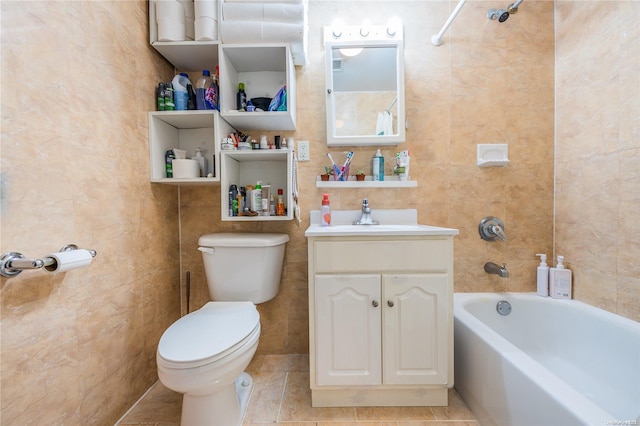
(598, 150)
(77, 81)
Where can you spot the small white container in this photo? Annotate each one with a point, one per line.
(543, 277)
(560, 281)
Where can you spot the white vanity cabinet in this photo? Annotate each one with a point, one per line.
(381, 320)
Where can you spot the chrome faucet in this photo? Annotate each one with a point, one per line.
(491, 229)
(365, 219)
(492, 268)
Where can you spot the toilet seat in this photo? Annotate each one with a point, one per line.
(208, 334)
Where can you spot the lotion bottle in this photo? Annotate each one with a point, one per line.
(325, 211)
(560, 281)
(543, 276)
(378, 166)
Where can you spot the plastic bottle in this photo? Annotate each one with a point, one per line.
(378, 166)
(168, 162)
(160, 97)
(191, 98)
(256, 197)
(203, 84)
(202, 162)
(233, 200)
(543, 276)
(213, 94)
(241, 98)
(325, 211)
(280, 203)
(168, 97)
(180, 94)
(560, 281)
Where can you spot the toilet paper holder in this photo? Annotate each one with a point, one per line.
(12, 263)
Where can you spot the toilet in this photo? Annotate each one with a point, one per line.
(203, 355)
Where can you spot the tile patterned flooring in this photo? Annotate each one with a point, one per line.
(281, 396)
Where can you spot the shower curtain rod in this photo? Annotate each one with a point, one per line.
(436, 39)
(392, 104)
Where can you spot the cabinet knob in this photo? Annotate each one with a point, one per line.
(374, 303)
(390, 303)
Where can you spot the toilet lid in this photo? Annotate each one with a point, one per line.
(209, 331)
(239, 239)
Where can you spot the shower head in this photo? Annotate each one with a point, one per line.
(500, 14)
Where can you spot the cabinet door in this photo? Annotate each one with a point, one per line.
(415, 337)
(348, 321)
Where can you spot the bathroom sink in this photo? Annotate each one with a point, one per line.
(392, 222)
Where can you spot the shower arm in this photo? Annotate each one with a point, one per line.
(436, 39)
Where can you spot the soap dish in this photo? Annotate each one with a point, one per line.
(493, 155)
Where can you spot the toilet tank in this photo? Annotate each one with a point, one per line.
(243, 266)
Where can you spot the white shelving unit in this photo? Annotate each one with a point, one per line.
(242, 168)
(186, 55)
(186, 130)
(388, 182)
(264, 69)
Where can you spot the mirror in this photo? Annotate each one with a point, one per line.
(365, 87)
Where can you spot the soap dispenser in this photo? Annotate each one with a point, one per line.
(325, 211)
(560, 281)
(543, 276)
(202, 162)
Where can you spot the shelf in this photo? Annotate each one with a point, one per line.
(189, 55)
(186, 130)
(264, 69)
(242, 168)
(388, 182)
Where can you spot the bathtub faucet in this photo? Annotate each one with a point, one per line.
(492, 268)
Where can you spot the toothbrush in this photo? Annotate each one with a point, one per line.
(335, 167)
(346, 163)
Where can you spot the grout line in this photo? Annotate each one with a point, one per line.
(284, 389)
(136, 403)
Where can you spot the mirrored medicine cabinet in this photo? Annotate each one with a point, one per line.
(364, 69)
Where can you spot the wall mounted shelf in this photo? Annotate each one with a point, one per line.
(388, 182)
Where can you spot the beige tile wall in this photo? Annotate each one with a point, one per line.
(488, 83)
(598, 150)
(77, 78)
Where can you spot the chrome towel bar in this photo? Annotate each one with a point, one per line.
(12, 263)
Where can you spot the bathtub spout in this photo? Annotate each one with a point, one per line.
(492, 268)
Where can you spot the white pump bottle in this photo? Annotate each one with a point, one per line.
(543, 276)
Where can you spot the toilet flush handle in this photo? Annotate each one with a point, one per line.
(207, 250)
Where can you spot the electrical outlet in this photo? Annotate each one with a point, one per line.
(303, 150)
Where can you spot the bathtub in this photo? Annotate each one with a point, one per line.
(549, 362)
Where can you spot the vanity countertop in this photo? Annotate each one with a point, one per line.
(393, 222)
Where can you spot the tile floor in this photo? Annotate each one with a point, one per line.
(281, 396)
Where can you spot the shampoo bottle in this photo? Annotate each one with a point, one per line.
(325, 211)
(378, 166)
(560, 281)
(543, 276)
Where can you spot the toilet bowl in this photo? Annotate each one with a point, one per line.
(203, 354)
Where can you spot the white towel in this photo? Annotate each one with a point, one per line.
(252, 32)
(265, 1)
(268, 12)
(384, 126)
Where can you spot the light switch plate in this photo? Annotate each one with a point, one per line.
(303, 150)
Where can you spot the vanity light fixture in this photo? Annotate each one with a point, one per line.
(364, 32)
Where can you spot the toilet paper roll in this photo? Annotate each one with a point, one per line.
(205, 29)
(170, 17)
(205, 9)
(249, 32)
(185, 169)
(72, 259)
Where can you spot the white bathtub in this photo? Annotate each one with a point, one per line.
(549, 362)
